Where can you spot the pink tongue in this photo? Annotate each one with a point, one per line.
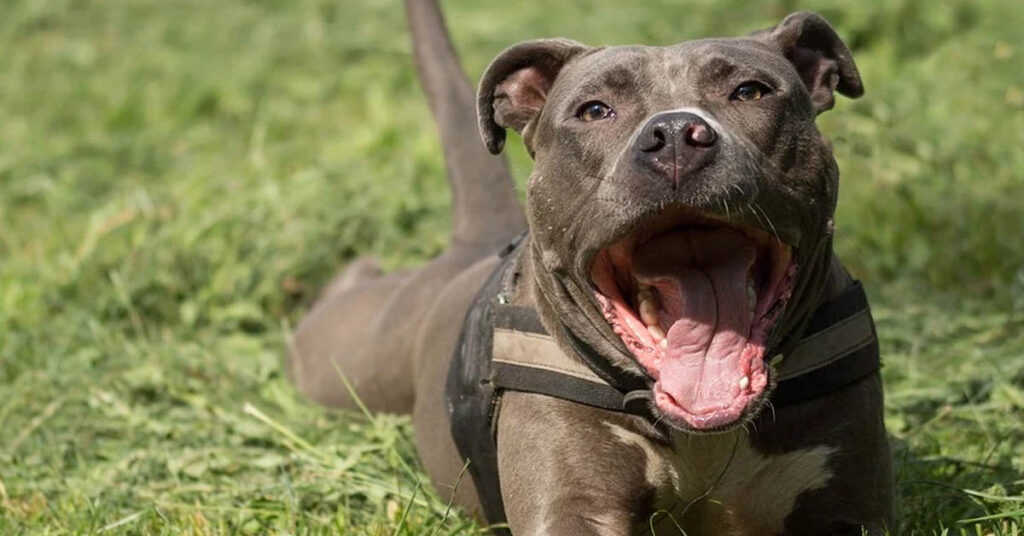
(701, 280)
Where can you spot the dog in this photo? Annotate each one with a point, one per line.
(664, 339)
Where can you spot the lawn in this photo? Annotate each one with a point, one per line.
(179, 177)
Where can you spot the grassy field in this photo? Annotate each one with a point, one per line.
(179, 177)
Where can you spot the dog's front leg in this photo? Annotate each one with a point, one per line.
(564, 471)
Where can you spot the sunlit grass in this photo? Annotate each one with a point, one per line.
(177, 179)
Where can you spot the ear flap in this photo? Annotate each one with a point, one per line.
(515, 87)
(818, 54)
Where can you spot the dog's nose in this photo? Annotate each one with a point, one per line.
(676, 143)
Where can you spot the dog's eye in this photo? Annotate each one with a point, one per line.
(594, 111)
(750, 91)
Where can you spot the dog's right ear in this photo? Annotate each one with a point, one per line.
(820, 57)
(515, 87)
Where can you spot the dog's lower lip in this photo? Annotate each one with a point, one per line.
(712, 420)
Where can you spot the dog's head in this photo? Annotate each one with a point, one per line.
(681, 200)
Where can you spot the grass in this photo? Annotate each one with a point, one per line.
(178, 178)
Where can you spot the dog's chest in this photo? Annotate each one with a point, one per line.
(721, 484)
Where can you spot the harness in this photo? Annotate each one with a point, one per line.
(504, 347)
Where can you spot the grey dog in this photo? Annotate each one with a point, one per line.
(678, 241)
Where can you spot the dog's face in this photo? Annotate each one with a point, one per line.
(680, 196)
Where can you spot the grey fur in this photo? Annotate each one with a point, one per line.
(563, 472)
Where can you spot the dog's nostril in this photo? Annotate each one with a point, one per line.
(654, 142)
(699, 135)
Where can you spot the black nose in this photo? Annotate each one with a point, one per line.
(676, 143)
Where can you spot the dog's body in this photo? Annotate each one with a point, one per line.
(688, 160)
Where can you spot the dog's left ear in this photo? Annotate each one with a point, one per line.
(820, 57)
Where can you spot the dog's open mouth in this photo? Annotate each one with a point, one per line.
(695, 303)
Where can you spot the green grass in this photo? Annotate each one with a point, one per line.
(178, 178)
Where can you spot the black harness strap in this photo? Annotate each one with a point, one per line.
(505, 347)
(844, 326)
(472, 397)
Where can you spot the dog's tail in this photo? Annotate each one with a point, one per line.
(485, 209)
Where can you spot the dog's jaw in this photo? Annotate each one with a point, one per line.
(695, 307)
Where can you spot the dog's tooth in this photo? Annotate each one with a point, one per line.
(656, 332)
(664, 343)
(648, 311)
(744, 383)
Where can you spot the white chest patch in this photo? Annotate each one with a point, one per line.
(724, 482)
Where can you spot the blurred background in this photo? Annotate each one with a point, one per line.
(178, 178)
